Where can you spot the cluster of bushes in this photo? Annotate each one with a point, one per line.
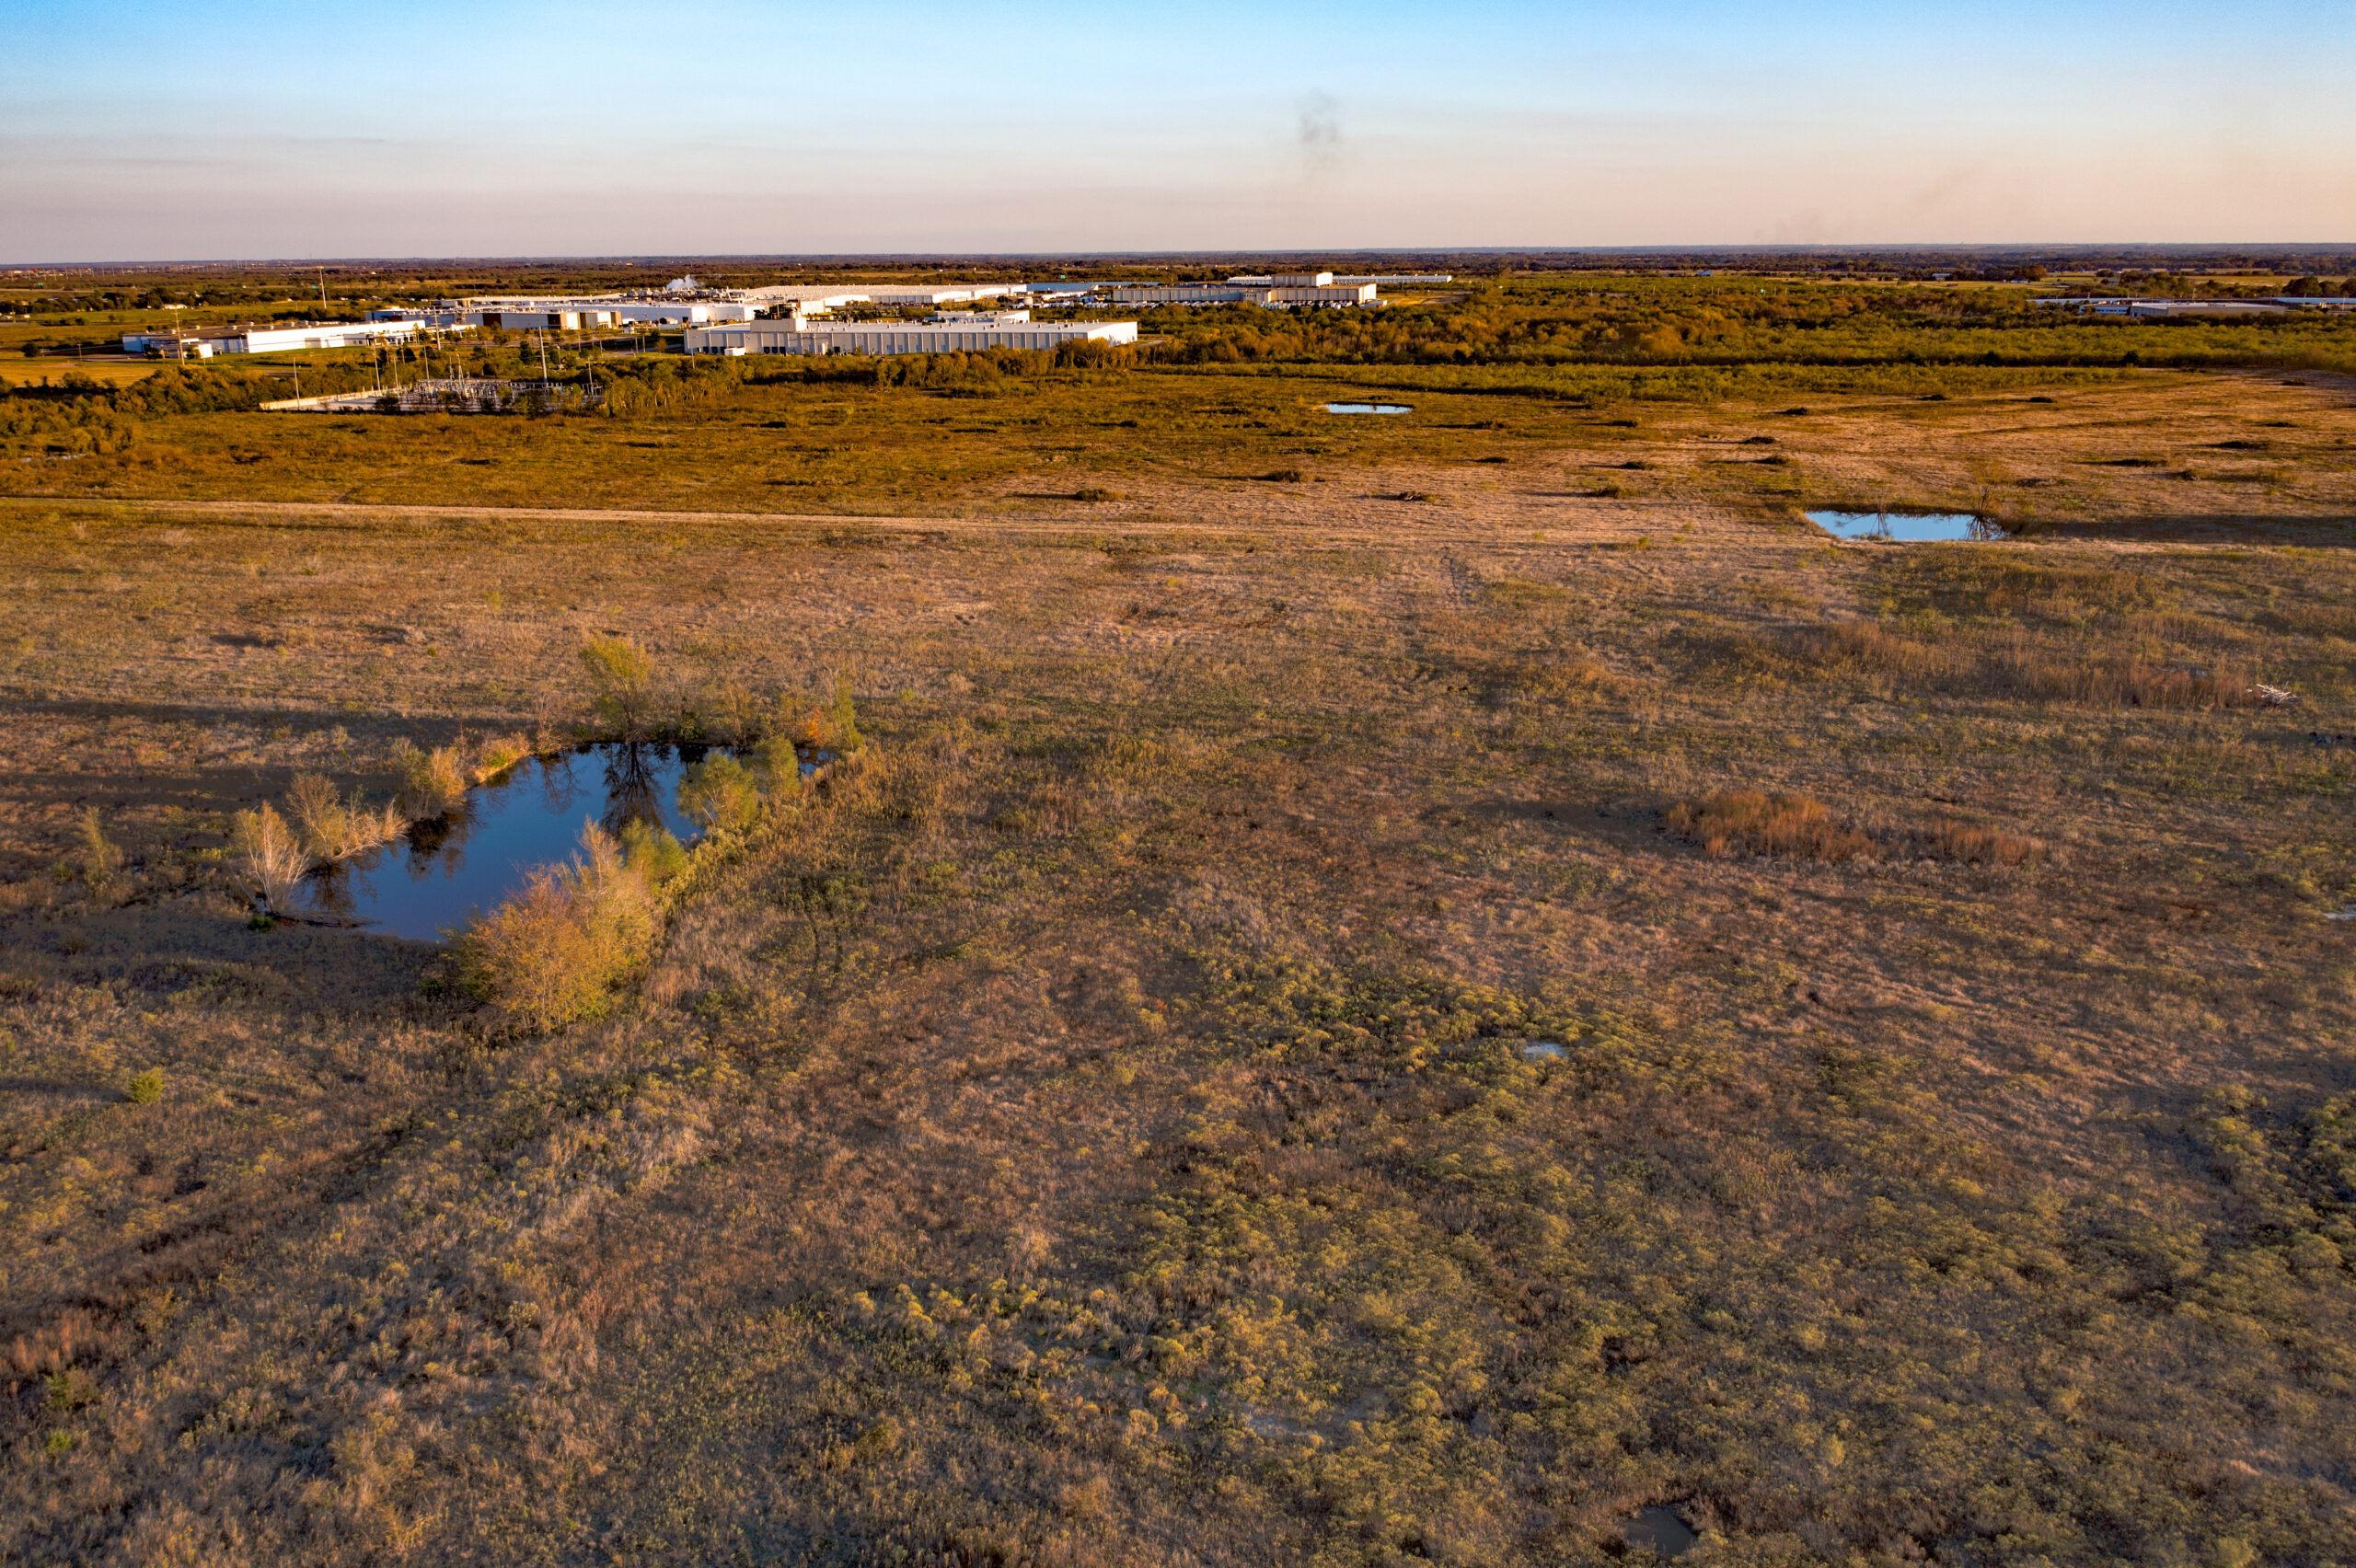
(561, 950)
(81, 415)
(631, 699)
(1735, 322)
(319, 826)
(652, 384)
(77, 416)
(557, 951)
(564, 946)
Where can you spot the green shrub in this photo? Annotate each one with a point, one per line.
(433, 782)
(718, 792)
(779, 767)
(652, 851)
(844, 720)
(556, 952)
(729, 714)
(147, 1087)
(621, 685)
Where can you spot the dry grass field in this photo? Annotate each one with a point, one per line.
(1404, 1011)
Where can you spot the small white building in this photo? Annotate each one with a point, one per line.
(797, 336)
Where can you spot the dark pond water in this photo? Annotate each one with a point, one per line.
(1906, 527)
(471, 860)
(1367, 408)
(1657, 1530)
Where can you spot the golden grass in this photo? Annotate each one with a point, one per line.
(1751, 822)
(272, 853)
(334, 827)
(2013, 662)
(1233, 1064)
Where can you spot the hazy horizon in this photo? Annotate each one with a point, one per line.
(172, 132)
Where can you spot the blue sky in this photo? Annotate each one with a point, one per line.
(150, 130)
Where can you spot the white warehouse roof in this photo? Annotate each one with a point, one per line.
(900, 336)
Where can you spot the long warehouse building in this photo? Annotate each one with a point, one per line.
(205, 343)
(1280, 294)
(790, 336)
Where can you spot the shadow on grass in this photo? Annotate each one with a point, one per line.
(2207, 529)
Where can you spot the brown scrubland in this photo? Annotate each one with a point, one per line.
(1315, 1028)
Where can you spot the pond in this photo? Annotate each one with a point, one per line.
(1657, 1530)
(447, 870)
(1367, 408)
(1906, 527)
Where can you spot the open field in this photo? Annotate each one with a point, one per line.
(1097, 1127)
(2146, 446)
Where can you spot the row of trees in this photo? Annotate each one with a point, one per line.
(1738, 321)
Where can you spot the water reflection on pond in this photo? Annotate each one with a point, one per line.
(1906, 527)
(1367, 408)
(530, 815)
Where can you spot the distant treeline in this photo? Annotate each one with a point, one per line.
(1743, 321)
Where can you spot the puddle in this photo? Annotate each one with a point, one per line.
(530, 815)
(1657, 1530)
(1540, 1050)
(1906, 527)
(1367, 408)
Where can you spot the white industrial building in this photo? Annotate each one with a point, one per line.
(805, 299)
(1187, 294)
(1322, 280)
(1335, 294)
(2120, 306)
(200, 344)
(558, 313)
(1064, 288)
(965, 333)
(896, 295)
(1282, 294)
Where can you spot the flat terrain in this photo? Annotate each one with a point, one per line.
(1104, 1126)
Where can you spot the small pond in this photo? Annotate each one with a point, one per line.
(472, 860)
(1657, 1530)
(1906, 527)
(1367, 408)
